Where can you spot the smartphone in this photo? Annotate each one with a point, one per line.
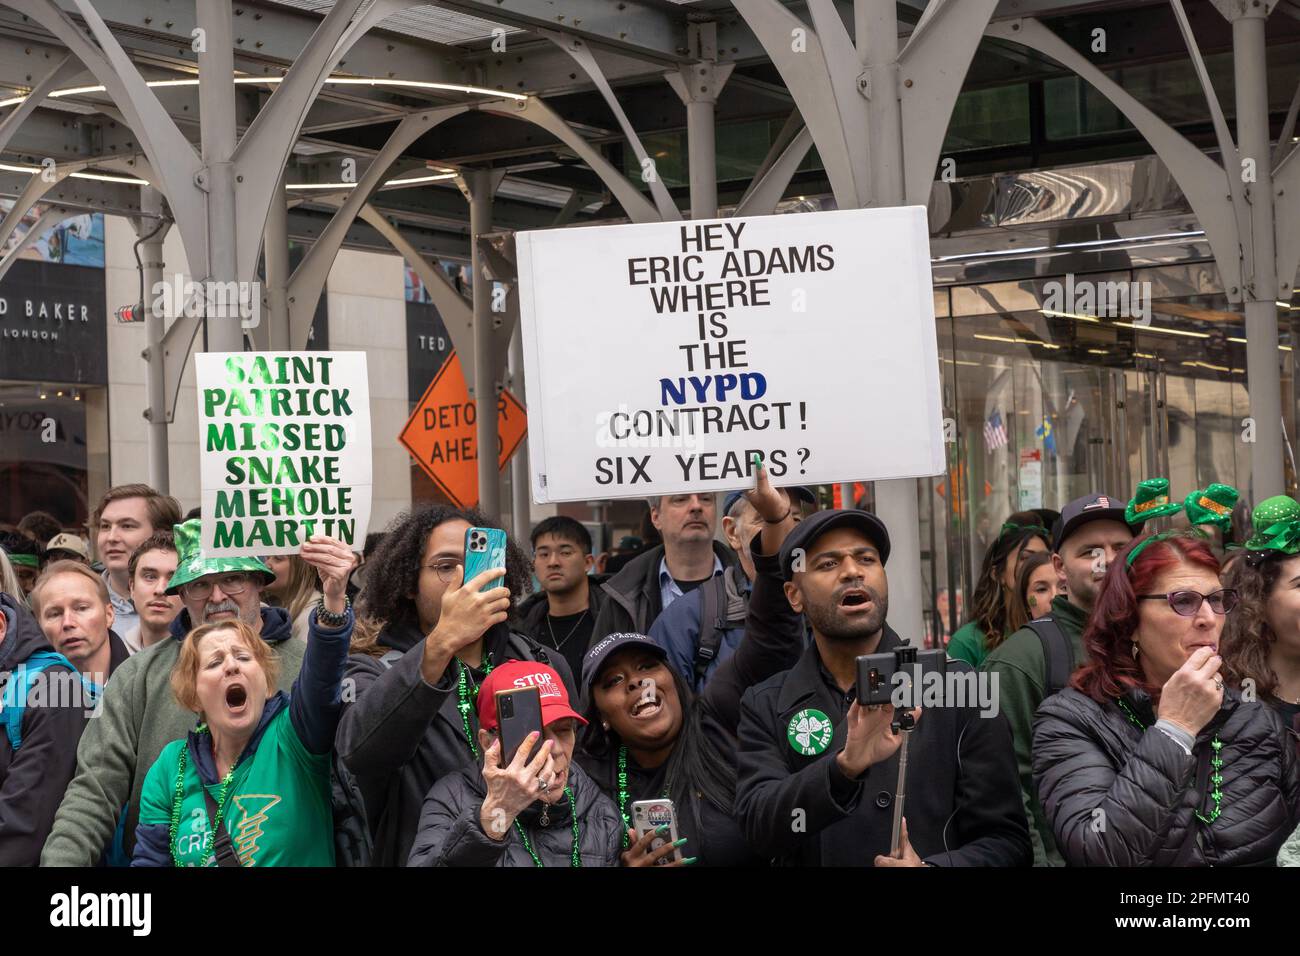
(877, 681)
(651, 814)
(519, 713)
(484, 548)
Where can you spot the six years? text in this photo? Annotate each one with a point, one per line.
(709, 466)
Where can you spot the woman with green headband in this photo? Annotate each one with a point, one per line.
(1261, 643)
(990, 621)
(1149, 758)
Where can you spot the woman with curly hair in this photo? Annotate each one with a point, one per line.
(412, 718)
(1261, 642)
(1148, 758)
(990, 621)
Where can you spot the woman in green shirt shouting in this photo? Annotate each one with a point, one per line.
(250, 786)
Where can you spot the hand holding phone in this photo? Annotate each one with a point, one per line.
(657, 819)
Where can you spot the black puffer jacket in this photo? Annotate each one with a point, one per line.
(1118, 795)
(451, 833)
(400, 734)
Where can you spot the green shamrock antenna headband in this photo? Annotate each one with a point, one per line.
(1207, 506)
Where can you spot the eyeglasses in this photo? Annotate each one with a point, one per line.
(201, 589)
(444, 568)
(1187, 603)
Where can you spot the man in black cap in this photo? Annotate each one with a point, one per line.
(705, 626)
(818, 772)
(1037, 660)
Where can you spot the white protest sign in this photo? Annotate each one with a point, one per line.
(661, 358)
(284, 449)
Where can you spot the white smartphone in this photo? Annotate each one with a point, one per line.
(652, 814)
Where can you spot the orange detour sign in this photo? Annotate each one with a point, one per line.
(441, 433)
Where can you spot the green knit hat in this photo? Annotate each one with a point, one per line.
(1276, 522)
(1151, 500)
(191, 564)
(1212, 505)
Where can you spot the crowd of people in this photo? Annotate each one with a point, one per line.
(163, 707)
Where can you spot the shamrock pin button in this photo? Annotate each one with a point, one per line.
(809, 732)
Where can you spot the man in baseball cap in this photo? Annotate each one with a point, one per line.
(534, 807)
(67, 547)
(1037, 660)
(809, 750)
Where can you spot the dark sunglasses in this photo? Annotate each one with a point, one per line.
(1187, 603)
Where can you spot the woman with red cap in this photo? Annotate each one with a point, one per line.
(521, 811)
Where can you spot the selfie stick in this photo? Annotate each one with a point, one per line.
(903, 721)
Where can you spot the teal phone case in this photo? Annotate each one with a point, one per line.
(484, 548)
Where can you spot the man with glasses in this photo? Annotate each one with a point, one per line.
(1037, 660)
(414, 718)
(140, 715)
(563, 613)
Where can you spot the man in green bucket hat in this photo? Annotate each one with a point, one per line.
(140, 715)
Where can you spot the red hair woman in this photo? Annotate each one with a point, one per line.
(1147, 759)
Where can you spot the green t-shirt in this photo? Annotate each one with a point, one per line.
(968, 644)
(278, 809)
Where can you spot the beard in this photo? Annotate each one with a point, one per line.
(828, 620)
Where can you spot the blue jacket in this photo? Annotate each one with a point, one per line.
(677, 630)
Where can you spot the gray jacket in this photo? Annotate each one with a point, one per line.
(451, 834)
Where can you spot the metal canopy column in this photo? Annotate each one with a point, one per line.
(698, 85)
(1259, 276)
(479, 186)
(152, 228)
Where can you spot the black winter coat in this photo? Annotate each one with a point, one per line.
(400, 735)
(963, 802)
(1118, 795)
(451, 832)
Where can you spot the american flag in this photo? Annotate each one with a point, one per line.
(995, 433)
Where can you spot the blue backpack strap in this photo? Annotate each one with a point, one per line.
(19, 686)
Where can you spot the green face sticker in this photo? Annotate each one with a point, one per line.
(810, 732)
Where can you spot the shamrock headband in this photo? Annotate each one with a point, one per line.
(1010, 527)
(1161, 536)
(1151, 500)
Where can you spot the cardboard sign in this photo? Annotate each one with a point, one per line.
(284, 449)
(442, 434)
(662, 358)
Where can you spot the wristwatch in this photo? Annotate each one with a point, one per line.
(330, 620)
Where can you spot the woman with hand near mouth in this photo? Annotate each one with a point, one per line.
(1148, 759)
(538, 809)
(649, 736)
(251, 784)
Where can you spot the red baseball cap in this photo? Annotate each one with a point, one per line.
(514, 675)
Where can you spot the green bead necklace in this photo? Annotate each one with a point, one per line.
(178, 796)
(463, 703)
(623, 793)
(575, 858)
(1216, 763)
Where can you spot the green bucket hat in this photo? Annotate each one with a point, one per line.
(191, 564)
(1276, 522)
(1151, 500)
(1212, 505)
